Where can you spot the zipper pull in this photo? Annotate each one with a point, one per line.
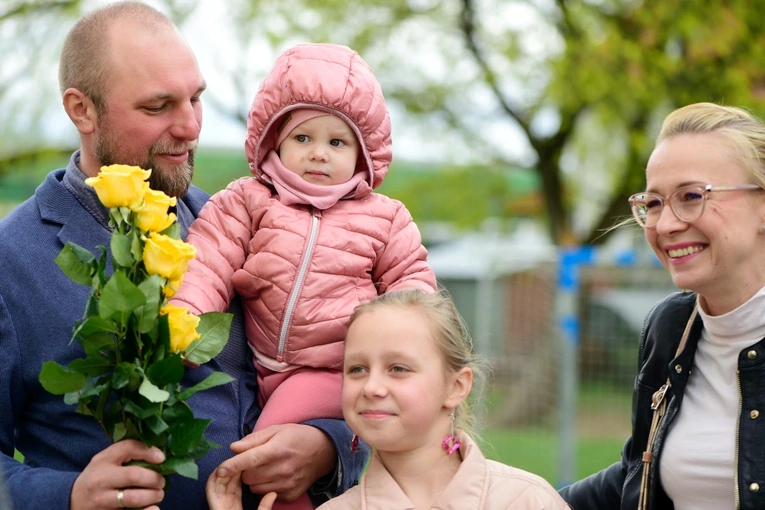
(659, 396)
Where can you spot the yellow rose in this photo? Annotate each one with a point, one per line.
(183, 326)
(152, 215)
(167, 257)
(120, 185)
(172, 287)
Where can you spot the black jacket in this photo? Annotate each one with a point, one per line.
(618, 486)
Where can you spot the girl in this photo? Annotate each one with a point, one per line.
(408, 371)
(305, 240)
(407, 374)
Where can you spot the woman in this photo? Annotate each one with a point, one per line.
(702, 352)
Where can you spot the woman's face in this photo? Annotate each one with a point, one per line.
(721, 255)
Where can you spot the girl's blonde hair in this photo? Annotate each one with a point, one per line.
(744, 131)
(450, 334)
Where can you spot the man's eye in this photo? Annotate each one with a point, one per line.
(154, 109)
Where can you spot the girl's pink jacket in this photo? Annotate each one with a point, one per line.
(301, 271)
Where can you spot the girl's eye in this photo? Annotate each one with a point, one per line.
(301, 138)
(336, 143)
(355, 370)
(399, 369)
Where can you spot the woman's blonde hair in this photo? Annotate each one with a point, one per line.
(450, 334)
(744, 131)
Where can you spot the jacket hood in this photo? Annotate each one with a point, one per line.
(326, 77)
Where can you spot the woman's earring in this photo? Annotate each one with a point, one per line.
(450, 443)
(354, 443)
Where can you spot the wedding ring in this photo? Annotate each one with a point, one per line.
(120, 498)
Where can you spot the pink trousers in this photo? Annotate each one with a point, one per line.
(294, 397)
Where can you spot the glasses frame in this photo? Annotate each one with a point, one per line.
(705, 189)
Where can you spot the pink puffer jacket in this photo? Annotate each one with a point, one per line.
(300, 271)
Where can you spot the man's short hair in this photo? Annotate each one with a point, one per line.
(84, 62)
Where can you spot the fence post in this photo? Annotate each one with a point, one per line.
(567, 314)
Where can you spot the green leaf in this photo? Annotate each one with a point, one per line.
(77, 263)
(214, 328)
(125, 374)
(142, 413)
(156, 424)
(186, 435)
(97, 342)
(148, 314)
(166, 371)
(151, 392)
(183, 466)
(72, 398)
(92, 366)
(136, 248)
(95, 334)
(174, 231)
(214, 379)
(178, 412)
(125, 214)
(60, 380)
(121, 253)
(119, 298)
(101, 276)
(120, 431)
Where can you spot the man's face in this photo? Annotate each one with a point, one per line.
(152, 109)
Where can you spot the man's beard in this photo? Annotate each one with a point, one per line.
(173, 180)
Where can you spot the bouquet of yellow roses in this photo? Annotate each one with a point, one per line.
(135, 342)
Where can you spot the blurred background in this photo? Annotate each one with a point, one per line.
(520, 128)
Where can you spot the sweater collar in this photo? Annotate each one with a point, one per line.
(74, 181)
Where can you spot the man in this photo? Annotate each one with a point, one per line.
(131, 86)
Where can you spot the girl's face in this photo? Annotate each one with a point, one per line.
(397, 394)
(322, 150)
(721, 255)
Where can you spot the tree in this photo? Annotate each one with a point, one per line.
(575, 89)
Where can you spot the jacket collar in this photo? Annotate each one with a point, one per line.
(465, 490)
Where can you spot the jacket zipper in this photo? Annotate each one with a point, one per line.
(298, 284)
(736, 494)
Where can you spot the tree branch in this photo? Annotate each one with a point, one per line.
(468, 30)
(25, 8)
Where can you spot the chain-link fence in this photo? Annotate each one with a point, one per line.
(515, 319)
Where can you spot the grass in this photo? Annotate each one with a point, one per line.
(535, 450)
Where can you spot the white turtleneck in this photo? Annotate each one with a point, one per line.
(699, 458)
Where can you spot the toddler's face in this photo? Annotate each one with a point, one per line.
(322, 151)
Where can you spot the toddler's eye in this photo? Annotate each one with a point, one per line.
(301, 138)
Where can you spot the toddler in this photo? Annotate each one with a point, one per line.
(304, 241)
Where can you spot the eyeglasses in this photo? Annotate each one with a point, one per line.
(686, 202)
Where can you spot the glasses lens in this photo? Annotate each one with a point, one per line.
(646, 208)
(688, 203)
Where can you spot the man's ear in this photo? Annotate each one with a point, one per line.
(81, 110)
(461, 384)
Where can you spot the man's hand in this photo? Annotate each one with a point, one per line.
(285, 459)
(99, 485)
